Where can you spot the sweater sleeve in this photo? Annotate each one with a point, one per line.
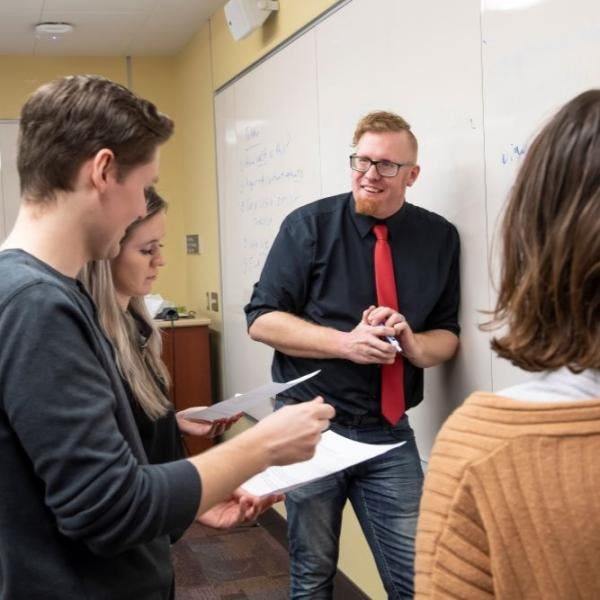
(453, 452)
(61, 406)
(452, 553)
(461, 563)
(442, 479)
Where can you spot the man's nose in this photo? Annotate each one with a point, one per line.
(372, 172)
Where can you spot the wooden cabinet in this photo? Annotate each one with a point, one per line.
(186, 352)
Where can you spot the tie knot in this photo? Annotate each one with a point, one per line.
(380, 231)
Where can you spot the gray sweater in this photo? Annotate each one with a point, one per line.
(82, 514)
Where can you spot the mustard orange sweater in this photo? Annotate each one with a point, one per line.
(511, 503)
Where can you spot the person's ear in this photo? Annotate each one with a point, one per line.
(414, 173)
(103, 167)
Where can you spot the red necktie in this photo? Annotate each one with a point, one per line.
(392, 376)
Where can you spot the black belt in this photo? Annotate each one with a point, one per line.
(346, 419)
(357, 420)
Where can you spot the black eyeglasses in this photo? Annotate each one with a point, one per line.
(386, 168)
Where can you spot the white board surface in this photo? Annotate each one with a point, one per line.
(534, 60)
(474, 79)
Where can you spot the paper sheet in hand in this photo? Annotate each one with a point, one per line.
(334, 453)
(241, 403)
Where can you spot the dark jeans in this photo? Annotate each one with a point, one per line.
(384, 492)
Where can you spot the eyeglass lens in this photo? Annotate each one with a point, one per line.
(385, 168)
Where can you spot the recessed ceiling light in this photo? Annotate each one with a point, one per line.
(54, 30)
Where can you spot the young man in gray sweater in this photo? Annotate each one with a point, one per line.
(82, 514)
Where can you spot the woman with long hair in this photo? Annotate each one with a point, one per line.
(118, 287)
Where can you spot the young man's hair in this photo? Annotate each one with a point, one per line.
(382, 121)
(67, 121)
(549, 292)
(138, 358)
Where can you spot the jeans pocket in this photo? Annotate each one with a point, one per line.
(402, 431)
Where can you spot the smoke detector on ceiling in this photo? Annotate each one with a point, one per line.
(52, 30)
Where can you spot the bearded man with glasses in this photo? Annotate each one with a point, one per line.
(364, 286)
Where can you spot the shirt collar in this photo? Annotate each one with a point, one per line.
(364, 223)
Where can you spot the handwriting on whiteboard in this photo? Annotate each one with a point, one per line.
(513, 153)
(268, 188)
(259, 154)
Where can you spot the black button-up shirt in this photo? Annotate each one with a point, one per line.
(321, 269)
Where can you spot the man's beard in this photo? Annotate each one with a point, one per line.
(366, 206)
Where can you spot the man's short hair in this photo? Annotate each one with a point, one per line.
(382, 121)
(67, 121)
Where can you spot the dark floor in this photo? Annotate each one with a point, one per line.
(245, 563)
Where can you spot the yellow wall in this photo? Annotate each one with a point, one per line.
(21, 75)
(154, 79)
(196, 134)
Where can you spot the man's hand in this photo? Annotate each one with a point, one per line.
(207, 429)
(391, 322)
(240, 507)
(366, 344)
(292, 432)
(287, 436)
(425, 349)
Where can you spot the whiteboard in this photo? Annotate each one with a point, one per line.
(473, 78)
(268, 157)
(534, 60)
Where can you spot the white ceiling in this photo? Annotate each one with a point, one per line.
(103, 27)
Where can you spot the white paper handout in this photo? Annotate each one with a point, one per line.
(334, 453)
(241, 403)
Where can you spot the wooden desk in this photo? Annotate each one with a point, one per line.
(186, 352)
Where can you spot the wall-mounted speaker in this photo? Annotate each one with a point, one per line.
(244, 16)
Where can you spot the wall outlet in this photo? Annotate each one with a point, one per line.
(207, 300)
(214, 301)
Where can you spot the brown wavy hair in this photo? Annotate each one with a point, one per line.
(67, 121)
(549, 295)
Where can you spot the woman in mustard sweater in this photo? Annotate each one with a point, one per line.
(511, 502)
